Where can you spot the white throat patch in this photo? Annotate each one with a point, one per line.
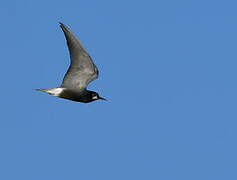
(95, 97)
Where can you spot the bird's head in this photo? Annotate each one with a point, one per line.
(95, 96)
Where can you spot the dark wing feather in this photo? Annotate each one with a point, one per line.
(82, 70)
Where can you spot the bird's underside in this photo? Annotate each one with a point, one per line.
(71, 94)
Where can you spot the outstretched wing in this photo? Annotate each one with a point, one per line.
(82, 70)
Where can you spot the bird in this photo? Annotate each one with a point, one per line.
(80, 73)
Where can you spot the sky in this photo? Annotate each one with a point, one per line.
(167, 68)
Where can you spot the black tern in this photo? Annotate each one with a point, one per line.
(80, 73)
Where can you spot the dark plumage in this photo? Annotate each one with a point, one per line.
(80, 73)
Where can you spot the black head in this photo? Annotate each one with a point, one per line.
(95, 96)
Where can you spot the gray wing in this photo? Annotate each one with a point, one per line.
(82, 70)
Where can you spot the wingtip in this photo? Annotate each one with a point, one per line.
(59, 22)
(63, 26)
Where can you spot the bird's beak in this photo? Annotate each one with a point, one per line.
(102, 98)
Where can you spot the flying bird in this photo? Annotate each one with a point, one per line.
(80, 73)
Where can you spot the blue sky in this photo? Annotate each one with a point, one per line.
(168, 69)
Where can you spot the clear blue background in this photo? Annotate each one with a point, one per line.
(168, 69)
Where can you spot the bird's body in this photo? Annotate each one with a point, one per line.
(85, 96)
(81, 72)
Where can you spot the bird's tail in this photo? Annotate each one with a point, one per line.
(44, 90)
(52, 91)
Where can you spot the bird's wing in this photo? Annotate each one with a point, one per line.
(82, 70)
